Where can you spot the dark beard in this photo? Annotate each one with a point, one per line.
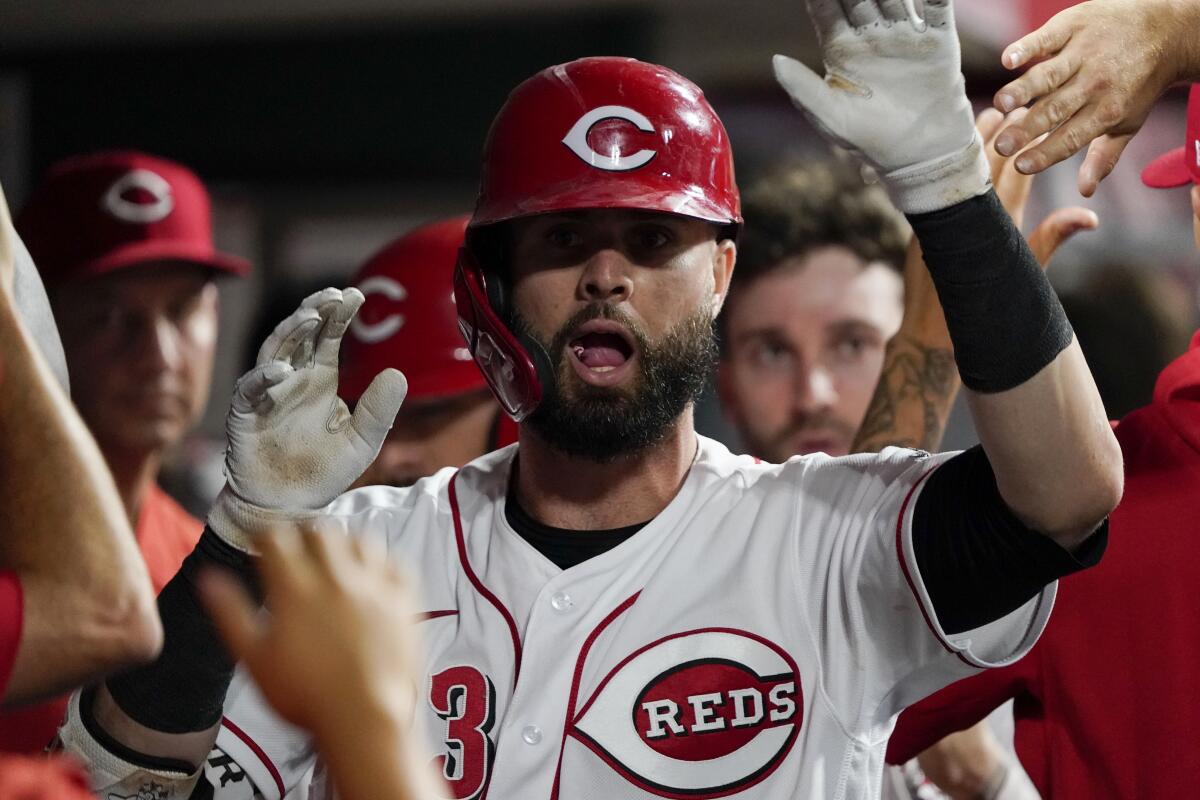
(603, 424)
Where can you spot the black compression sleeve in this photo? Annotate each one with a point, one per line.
(977, 560)
(1004, 319)
(184, 689)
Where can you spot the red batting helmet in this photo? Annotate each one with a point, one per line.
(409, 320)
(593, 133)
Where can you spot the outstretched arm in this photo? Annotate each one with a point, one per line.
(88, 607)
(894, 93)
(919, 380)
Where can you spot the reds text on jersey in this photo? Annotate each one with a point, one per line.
(755, 640)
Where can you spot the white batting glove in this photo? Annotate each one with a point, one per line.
(893, 93)
(293, 444)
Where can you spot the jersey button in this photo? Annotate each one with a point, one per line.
(561, 602)
(532, 734)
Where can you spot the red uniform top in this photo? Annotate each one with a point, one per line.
(165, 535)
(1108, 702)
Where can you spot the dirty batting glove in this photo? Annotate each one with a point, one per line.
(893, 93)
(294, 446)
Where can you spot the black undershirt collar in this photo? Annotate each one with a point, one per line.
(563, 546)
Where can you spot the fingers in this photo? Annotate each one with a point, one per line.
(1067, 140)
(233, 612)
(939, 13)
(895, 10)
(808, 91)
(329, 340)
(861, 13)
(378, 406)
(1042, 43)
(827, 16)
(1040, 81)
(291, 338)
(1057, 228)
(251, 390)
(1046, 115)
(988, 124)
(1101, 160)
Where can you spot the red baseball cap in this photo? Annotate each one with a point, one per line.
(1182, 165)
(409, 320)
(96, 214)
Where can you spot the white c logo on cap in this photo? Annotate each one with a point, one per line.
(115, 202)
(392, 290)
(576, 139)
(1197, 143)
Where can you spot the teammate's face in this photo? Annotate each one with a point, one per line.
(431, 434)
(623, 301)
(140, 346)
(804, 352)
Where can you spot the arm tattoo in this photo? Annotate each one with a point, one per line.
(912, 400)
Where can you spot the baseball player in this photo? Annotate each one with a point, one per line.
(616, 607)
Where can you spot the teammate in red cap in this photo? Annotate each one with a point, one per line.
(123, 242)
(617, 607)
(408, 322)
(1105, 703)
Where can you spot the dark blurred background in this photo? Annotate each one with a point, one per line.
(324, 130)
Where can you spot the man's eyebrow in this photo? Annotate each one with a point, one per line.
(761, 332)
(854, 325)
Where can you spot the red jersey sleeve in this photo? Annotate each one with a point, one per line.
(12, 617)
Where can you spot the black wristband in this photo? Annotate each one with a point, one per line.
(1004, 319)
(184, 689)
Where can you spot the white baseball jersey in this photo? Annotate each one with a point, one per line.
(755, 640)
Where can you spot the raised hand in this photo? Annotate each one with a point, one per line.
(893, 92)
(1098, 68)
(294, 446)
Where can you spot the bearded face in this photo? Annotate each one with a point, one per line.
(622, 301)
(604, 423)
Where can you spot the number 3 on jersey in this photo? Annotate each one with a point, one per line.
(466, 699)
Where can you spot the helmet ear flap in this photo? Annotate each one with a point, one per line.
(514, 365)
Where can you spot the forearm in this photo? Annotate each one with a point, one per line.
(1035, 405)
(172, 707)
(1052, 449)
(918, 382)
(89, 604)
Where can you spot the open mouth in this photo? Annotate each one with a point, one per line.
(602, 351)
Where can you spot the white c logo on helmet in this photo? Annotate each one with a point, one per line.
(1197, 143)
(377, 332)
(116, 203)
(576, 139)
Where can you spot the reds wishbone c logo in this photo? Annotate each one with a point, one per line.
(577, 139)
(701, 714)
(139, 196)
(378, 331)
